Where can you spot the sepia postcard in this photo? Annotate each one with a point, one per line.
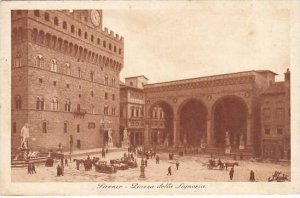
(149, 97)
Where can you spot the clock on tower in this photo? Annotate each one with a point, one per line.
(95, 17)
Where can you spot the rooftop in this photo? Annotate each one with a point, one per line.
(213, 77)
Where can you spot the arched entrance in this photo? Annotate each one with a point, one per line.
(193, 119)
(161, 124)
(230, 122)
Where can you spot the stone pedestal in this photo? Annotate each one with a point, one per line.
(227, 149)
(110, 144)
(125, 144)
(142, 175)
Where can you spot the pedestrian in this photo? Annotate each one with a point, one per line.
(157, 159)
(106, 150)
(169, 171)
(33, 169)
(252, 177)
(103, 153)
(77, 165)
(62, 161)
(66, 162)
(29, 168)
(125, 155)
(231, 173)
(58, 170)
(146, 162)
(177, 164)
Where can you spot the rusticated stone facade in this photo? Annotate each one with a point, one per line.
(65, 74)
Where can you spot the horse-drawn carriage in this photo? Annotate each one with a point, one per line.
(129, 162)
(212, 164)
(278, 176)
(103, 167)
(118, 164)
(220, 165)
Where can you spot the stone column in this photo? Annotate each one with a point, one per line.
(175, 132)
(146, 134)
(208, 132)
(249, 135)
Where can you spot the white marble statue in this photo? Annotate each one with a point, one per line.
(125, 135)
(109, 136)
(25, 136)
(227, 138)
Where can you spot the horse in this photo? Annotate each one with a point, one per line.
(230, 164)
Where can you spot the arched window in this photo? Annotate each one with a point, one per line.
(68, 106)
(54, 104)
(47, 17)
(92, 109)
(53, 65)
(40, 104)
(120, 51)
(92, 38)
(113, 111)
(115, 49)
(98, 41)
(17, 60)
(36, 13)
(72, 28)
(104, 43)
(18, 102)
(106, 80)
(105, 110)
(79, 32)
(39, 61)
(55, 21)
(68, 69)
(65, 25)
(109, 46)
(85, 35)
(113, 82)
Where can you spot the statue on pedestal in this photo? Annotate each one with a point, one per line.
(25, 136)
(125, 142)
(227, 143)
(242, 142)
(110, 141)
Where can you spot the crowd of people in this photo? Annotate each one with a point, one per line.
(133, 153)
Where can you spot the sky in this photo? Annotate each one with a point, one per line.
(172, 44)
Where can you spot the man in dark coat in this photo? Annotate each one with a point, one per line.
(103, 153)
(66, 162)
(169, 171)
(29, 168)
(177, 164)
(157, 159)
(252, 177)
(231, 173)
(58, 170)
(33, 169)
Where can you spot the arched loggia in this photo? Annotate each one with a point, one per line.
(193, 121)
(161, 117)
(230, 116)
